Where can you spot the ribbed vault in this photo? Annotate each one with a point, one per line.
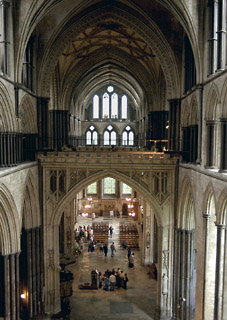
(140, 39)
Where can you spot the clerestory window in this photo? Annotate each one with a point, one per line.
(109, 136)
(128, 137)
(91, 136)
(110, 105)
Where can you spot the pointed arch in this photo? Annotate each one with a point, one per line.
(55, 218)
(213, 104)
(222, 208)
(30, 211)
(7, 116)
(186, 212)
(209, 200)
(9, 223)
(224, 100)
(27, 114)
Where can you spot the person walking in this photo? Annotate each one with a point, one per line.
(112, 247)
(105, 249)
(129, 252)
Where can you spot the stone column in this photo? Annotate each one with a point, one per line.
(4, 25)
(223, 146)
(29, 270)
(206, 217)
(176, 275)
(58, 128)
(7, 287)
(200, 125)
(42, 122)
(17, 282)
(38, 270)
(12, 286)
(174, 125)
(219, 272)
(213, 35)
(182, 275)
(34, 274)
(221, 33)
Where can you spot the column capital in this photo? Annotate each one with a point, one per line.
(220, 226)
(206, 216)
(4, 3)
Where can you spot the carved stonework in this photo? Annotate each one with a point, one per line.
(165, 260)
(51, 259)
(77, 176)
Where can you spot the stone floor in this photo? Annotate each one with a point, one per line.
(137, 302)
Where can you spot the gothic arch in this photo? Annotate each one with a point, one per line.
(55, 218)
(27, 114)
(186, 211)
(209, 193)
(7, 118)
(9, 223)
(212, 103)
(222, 208)
(224, 100)
(30, 211)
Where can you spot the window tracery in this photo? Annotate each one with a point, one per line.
(91, 136)
(112, 106)
(128, 137)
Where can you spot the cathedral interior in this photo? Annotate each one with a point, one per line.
(107, 104)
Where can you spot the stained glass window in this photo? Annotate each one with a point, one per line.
(96, 106)
(126, 189)
(124, 107)
(109, 186)
(128, 137)
(109, 136)
(114, 105)
(92, 188)
(106, 106)
(91, 136)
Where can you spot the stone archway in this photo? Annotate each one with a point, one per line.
(30, 260)
(9, 255)
(61, 193)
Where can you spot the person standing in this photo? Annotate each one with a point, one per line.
(131, 261)
(107, 282)
(100, 280)
(111, 230)
(112, 247)
(125, 281)
(112, 281)
(105, 249)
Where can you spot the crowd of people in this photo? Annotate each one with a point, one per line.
(83, 233)
(110, 279)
